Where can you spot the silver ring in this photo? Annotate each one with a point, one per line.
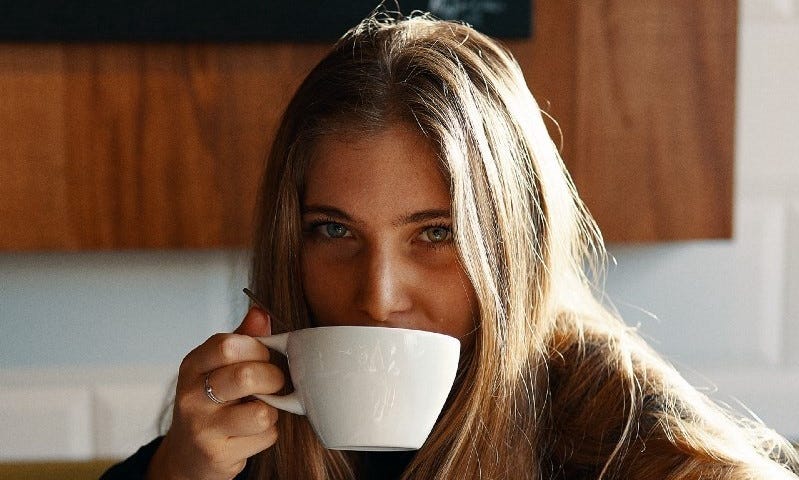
(209, 392)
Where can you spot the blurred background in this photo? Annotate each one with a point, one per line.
(93, 327)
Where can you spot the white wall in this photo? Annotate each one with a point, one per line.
(90, 342)
(728, 311)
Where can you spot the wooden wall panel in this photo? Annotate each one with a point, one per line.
(655, 117)
(138, 146)
(33, 190)
(127, 146)
(548, 62)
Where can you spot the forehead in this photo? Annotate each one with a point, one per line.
(395, 164)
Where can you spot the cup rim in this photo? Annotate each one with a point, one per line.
(368, 327)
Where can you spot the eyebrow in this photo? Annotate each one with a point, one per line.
(328, 211)
(422, 216)
(408, 219)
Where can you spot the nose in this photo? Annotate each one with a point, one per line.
(383, 294)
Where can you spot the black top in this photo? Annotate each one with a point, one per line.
(383, 465)
(372, 465)
(135, 467)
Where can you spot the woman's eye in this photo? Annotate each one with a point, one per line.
(436, 234)
(333, 230)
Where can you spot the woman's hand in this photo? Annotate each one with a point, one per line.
(213, 441)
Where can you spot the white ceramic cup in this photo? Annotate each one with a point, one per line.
(367, 388)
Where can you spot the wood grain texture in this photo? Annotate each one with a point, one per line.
(33, 190)
(129, 146)
(548, 62)
(655, 117)
(138, 146)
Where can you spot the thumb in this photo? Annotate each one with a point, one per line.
(256, 323)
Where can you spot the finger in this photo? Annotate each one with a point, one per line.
(243, 379)
(245, 419)
(223, 349)
(253, 444)
(256, 323)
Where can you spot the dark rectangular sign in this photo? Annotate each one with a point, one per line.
(235, 20)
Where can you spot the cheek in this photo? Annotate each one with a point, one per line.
(452, 303)
(461, 311)
(326, 293)
(316, 285)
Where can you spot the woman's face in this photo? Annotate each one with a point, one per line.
(377, 243)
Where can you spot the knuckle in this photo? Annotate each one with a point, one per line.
(183, 402)
(271, 436)
(277, 379)
(228, 348)
(243, 377)
(209, 453)
(197, 431)
(265, 417)
(261, 418)
(216, 455)
(218, 337)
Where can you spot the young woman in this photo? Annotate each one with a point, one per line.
(412, 183)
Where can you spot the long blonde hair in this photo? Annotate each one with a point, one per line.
(555, 384)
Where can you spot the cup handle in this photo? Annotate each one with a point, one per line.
(291, 402)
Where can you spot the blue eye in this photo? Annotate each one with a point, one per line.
(436, 234)
(334, 230)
